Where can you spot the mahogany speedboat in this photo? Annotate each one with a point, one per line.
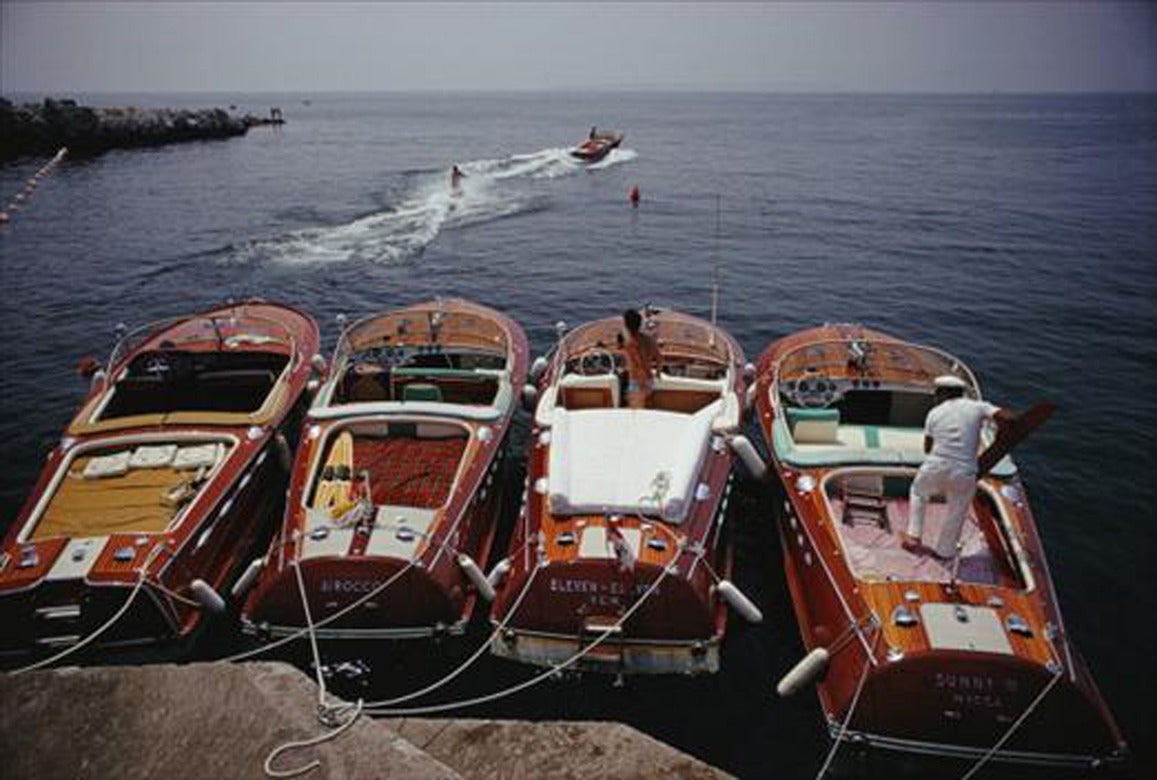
(163, 483)
(950, 659)
(598, 146)
(393, 504)
(619, 552)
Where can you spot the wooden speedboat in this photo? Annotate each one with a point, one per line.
(597, 146)
(164, 481)
(392, 508)
(620, 545)
(947, 658)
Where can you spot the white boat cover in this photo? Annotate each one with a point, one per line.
(624, 461)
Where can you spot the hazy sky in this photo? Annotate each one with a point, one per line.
(306, 46)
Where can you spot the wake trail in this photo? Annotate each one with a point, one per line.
(427, 209)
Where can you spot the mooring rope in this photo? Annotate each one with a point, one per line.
(325, 712)
(315, 763)
(851, 707)
(142, 578)
(498, 629)
(551, 672)
(1015, 725)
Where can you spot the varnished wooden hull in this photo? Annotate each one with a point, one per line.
(400, 574)
(567, 600)
(78, 581)
(925, 687)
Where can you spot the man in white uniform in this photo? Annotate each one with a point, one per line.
(951, 441)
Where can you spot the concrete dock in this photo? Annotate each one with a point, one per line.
(223, 720)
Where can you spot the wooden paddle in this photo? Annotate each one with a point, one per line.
(1008, 436)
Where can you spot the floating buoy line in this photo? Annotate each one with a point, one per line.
(20, 199)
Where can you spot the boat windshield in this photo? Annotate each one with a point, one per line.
(225, 361)
(845, 400)
(424, 353)
(688, 347)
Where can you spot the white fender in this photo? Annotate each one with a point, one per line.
(475, 575)
(529, 397)
(536, 368)
(747, 453)
(739, 602)
(246, 580)
(209, 599)
(809, 669)
(498, 573)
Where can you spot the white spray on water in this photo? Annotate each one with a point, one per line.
(412, 224)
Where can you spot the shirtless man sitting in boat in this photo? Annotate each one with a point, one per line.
(642, 353)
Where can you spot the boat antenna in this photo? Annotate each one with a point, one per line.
(715, 274)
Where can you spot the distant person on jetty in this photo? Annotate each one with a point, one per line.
(951, 440)
(456, 180)
(642, 354)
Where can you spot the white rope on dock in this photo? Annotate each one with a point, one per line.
(1015, 725)
(315, 763)
(326, 712)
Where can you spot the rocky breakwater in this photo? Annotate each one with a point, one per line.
(43, 128)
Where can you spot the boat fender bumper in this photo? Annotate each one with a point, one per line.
(246, 580)
(475, 575)
(529, 397)
(498, 573)
(749, 397)
(739, 602)
(809, 669)
(746, 452)
(209, 599)
(537, 368)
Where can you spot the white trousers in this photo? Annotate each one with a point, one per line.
(957, 483)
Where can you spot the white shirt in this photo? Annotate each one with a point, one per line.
(955, 429)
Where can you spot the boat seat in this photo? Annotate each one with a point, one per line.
(814, 426)
(420, 391)
(600, 391)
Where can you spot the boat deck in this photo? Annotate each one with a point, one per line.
(409, 472)
(874, 553)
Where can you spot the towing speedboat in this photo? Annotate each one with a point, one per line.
(392, 508)
(597, 146)
(915, 654)
(164, 481)
(619, 557)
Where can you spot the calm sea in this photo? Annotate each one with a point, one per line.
(1018, 232)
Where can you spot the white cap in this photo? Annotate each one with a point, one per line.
(950, 381)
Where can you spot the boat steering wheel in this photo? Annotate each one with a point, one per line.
(595, 362)
(820, 394)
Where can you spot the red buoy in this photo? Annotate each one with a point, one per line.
(633, 195)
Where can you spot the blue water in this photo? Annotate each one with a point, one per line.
(1017, 232)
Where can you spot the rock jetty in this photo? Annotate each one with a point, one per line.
(42, 128)
(224, 720)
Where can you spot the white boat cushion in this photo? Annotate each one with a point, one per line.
(113, 465)
(197, 456)
(617, 460)
(152, 456)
